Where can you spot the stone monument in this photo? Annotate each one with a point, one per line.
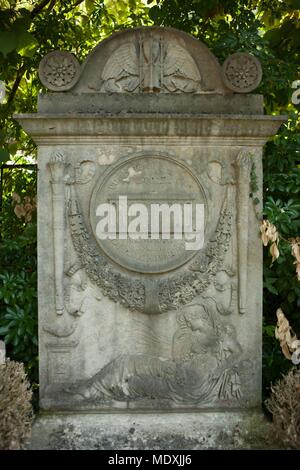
(144, 343)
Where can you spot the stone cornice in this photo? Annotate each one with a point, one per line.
(201, 129)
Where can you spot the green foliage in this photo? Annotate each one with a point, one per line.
(21, 181)
(18, 303)
(282, 208)
(274, 362)
(18, 277)
(269, 29)
(29, 30)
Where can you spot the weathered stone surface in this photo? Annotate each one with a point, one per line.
(242, 72)
(161, 103)
(188, 431)
(59, 70)
(142, 325)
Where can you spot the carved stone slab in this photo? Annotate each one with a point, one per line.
(143, 324)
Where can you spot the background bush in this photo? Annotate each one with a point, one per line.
(18, 273)
(284, 404)
(15, 406)
(269, 29)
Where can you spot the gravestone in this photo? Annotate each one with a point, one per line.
(145, 343)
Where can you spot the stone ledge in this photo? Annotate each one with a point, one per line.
(258, 128)
(164, 431)
(151, 103)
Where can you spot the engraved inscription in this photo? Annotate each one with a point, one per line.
(147, 180)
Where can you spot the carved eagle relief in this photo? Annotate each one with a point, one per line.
(180, 71)
(152, 65)
(121, 71)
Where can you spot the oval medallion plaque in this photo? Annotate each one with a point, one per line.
(146, 181)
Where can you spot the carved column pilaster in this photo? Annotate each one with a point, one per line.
(57, 169)
(243, 169)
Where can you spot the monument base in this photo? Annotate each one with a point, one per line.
(157, 431)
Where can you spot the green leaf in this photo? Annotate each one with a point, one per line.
(154, 13)
(89, 5)
(291, 297)
(295, 35)
(274, 36)
(8, 42)
(294, 4)
(269, 330)
(3, 330)
(21, 24)
(13, 148)
(27, 44)
(271, 289)
(4, 156)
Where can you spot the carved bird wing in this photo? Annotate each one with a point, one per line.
(123, 62)
(180, 63)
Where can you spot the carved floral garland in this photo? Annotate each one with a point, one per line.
(173, 292)
(182, 288)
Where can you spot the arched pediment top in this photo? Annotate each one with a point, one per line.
(151, 59)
